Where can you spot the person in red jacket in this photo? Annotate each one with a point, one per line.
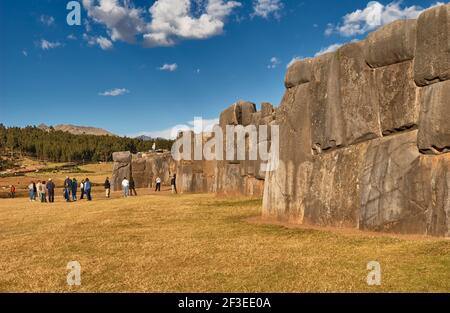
(12, 191)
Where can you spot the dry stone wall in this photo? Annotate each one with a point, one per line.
(364, 137)
(365, 133)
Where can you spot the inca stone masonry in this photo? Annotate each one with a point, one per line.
(364, 137)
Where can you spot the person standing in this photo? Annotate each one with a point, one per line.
(12, 191)
(82, 189)
(44, 192)
(30, 191)
(34, 191)
(107, 188)
(39, 190)
(132, 187)
(87, 189)
(51, 190)
(125, 186)
(74, 189)
(173, 183)
(158, 184)
(67, 188)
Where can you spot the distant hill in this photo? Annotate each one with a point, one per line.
(144, 138)
(78, 130)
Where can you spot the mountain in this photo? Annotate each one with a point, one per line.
(144, 138)
(78, 130)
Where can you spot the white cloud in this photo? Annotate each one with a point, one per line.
(102, 42)
(265, 8)
(122, 20)
(274, 62)
(330, 48)
(373, 16)
(25, 53)
(166, 22)
(171, 133)
(71, 37)
(173, 20)
(47, 45)
(169, 67)
(114, 92)
(47, 20)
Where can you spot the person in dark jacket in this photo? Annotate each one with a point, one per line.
(132, 187)
(173, 183)
(67, 188)
(51, 190)
(107, 188)
(34, 191)
(87, 189)
(74, 189)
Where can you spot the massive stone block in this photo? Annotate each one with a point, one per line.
(121, 169)
(385, 204)
(283, 189)
(239, 113)
(432, 61)
(357, 95)
(392, 43)
(298, 73)
(397, 97)
(327, 120)
(434, 129)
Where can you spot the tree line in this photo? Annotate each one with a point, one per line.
(59, 146)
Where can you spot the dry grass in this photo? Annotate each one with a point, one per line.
(200, 243)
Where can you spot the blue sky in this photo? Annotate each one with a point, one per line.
(140, 66)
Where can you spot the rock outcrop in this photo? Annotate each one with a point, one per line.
(364, 133)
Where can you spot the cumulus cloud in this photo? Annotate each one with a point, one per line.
(25, 53)
(274, 62)
(265, 8)
(71, 37)
(373, 16)
(330, 48)
(173, 20)
(172, 132)
(114, 92)
(122, 20)
(102, 42)
(168, 67)
(47, 20)
(47, 45)
(164, 23)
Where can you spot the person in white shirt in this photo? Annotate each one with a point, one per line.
(158, 184)
(125, 186)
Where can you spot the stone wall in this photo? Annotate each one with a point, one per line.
(143, 167)
(229, 176)
(364, 137)
(364, 133)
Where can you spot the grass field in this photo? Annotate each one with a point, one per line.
(200, 243)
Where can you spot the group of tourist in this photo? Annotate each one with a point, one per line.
(128, 186)
(42, 191)
(71, 188)
(45, 191)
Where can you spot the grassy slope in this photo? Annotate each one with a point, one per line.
(200, 243)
